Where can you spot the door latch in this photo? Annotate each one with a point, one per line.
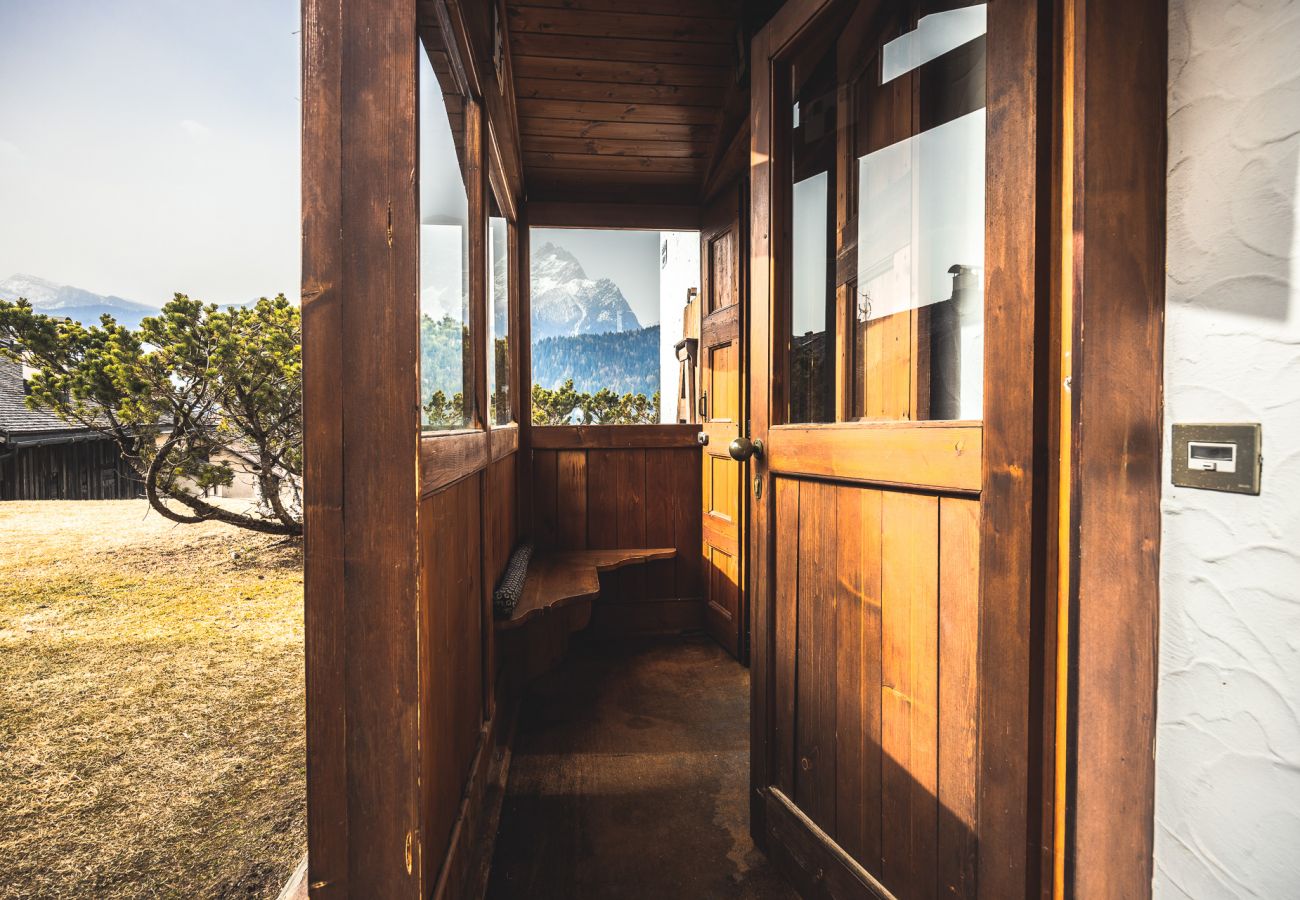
(758, 487)
(702, 406)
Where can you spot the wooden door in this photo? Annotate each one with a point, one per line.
(896, 711)
(721, 353)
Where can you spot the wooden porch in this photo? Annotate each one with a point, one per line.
(877, 565)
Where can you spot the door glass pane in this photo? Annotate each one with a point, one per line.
(888, 150)
(446, 374)
(499, 277)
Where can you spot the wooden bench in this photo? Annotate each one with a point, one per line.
(561, 578)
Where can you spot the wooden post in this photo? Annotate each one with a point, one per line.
(361, 408)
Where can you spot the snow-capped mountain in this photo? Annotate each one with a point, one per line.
(72, 302)
(566, 302)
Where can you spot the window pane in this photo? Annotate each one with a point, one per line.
(445, 359)
(887, 208)
(607, 309)
(499, 322)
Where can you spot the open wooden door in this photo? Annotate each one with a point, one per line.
(897, 731)
(721, 414)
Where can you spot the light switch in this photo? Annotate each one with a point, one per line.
(1217, 457)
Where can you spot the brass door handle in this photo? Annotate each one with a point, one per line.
(742, 448)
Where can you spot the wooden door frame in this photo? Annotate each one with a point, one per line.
(1092, 262)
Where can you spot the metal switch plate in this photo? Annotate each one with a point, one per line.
(1217, 457)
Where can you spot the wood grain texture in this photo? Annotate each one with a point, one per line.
(943, 456)
(858, 822)
(816, 654)
(601, 437)
(328, 825)
(452, 626)
(909, 692)
(1117, 343)
(556, 579)
(590, 71)
(360, 268)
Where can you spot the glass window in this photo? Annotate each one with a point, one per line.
(607, 314)
(499, 280)
(887, 157)
(446, 360)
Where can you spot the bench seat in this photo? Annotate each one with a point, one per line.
(559, 578)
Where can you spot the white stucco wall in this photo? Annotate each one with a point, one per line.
(1228, 739)
(679, 254)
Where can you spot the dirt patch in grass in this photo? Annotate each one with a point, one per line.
(151, 705)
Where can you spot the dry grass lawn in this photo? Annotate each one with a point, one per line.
(151, 705)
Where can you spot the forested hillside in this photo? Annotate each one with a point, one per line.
(622, 361)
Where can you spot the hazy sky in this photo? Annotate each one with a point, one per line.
(151, 146)
(630, 259)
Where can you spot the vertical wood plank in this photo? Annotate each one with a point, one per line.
(687, 526)
(661, 516)
(630, 500)
(571, 499)
(857, 718)
(815, 655)
(785, 626)
(909, 694)
(328, 831)
(545, 510)
(602, 500)
(958, 693)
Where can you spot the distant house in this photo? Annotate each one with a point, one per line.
(43, 457)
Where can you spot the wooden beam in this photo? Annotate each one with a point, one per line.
(1119, 252)
(361, 403)
(623, 437)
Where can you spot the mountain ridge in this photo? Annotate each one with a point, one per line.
(565, 302)
(71, 302)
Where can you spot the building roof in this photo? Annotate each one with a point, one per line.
(20, 425)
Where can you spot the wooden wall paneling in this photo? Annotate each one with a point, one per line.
(958, 694)
(629, 474)
(663, 513)
(909, 694)
(362, 554)
(1117, 344)
(614, 437)
(858, 824)
(448, 457)
(785, 625)
(452, 623)
(571, 499)
(815, 655)
(602, 500)
(545, 484)
(685, 486)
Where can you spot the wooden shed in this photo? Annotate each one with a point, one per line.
(897, 581)
(43, 457)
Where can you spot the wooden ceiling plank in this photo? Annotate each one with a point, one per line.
(620, 92)
(637, 131)
(566, 46)
(713, 9)
(621, 71)
(614, 147)
(580, 161)
(595, 111)
(534, 20)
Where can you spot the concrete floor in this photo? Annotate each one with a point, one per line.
(629, 780)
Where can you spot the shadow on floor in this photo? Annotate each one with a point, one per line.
(630, 777)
